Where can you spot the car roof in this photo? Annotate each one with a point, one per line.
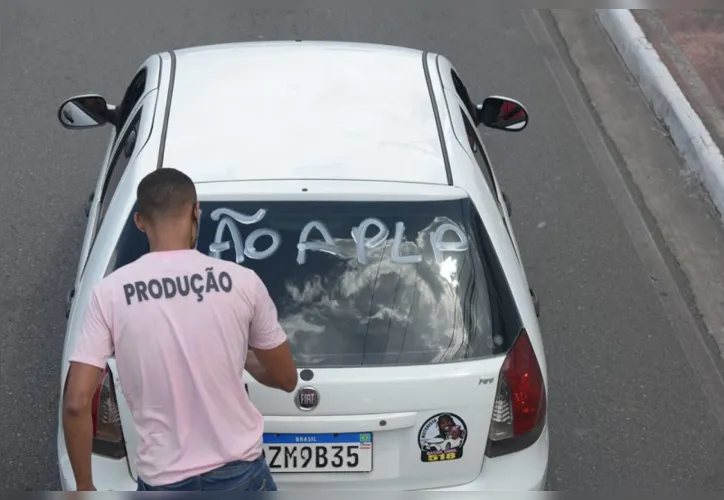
(303, 110)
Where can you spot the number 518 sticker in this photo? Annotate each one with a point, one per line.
(442, 438)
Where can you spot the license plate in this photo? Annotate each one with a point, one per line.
(349, 452)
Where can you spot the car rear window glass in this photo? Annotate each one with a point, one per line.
(365, 283)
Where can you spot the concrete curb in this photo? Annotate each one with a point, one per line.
(701, 155)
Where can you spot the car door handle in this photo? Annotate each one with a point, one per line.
(69, 302)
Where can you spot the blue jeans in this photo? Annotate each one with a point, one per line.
(245, 476)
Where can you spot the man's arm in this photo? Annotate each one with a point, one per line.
(270, 359)
(92, 349)
(78, 423)
(257, 370)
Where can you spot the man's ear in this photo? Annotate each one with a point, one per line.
(197, 210)
(140, 224)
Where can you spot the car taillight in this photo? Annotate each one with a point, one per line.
(107, 432)
(520, 405)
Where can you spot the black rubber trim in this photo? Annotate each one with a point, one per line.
(164, 131)
(438, 122)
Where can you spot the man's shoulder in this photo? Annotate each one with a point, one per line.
(220, 264)
(214, 274)
(232, 274)
(237, 272)
(123, 273)
(118, 276)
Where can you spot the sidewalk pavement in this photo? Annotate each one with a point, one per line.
(677, 58)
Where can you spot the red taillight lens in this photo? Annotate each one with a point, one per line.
(520, 404)
(107, 432)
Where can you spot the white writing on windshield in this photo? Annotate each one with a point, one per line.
(315, 237)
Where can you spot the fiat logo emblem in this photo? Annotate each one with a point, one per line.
(307, 398)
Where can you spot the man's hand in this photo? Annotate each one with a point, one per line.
(78, 421)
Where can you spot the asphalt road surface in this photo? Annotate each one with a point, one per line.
(627, 407)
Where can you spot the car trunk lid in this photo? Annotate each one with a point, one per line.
(411, 427)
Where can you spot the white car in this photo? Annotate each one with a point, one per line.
(352, 179)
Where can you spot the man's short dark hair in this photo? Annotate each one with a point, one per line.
(165, 193)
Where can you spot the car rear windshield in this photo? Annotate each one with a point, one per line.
(365, 283)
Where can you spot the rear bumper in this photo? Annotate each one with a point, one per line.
(525, 470)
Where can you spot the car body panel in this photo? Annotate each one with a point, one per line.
(344, 127)
(404, 397)
(230, 158)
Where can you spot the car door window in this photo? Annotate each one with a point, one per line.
(133, 94)
(477, 150)
(463, 92)
(118, 165)
(484, 165)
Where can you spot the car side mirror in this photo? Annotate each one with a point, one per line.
(85, 111)
(502, 113)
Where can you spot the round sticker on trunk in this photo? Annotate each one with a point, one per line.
(442, 438)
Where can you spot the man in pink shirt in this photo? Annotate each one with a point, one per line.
(182, 326)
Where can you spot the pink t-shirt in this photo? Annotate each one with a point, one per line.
(180, 324)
